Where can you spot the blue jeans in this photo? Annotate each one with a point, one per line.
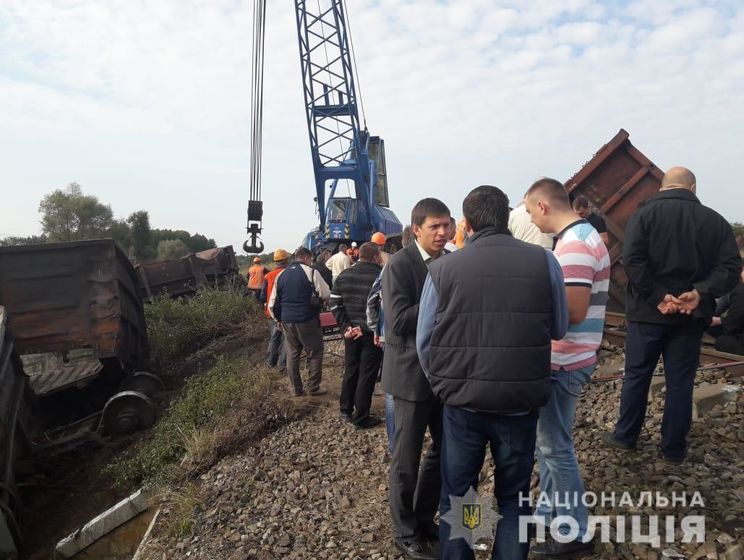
(276, 354)
(680, 346)
(389, 421)
(560, 479)
(512, 442)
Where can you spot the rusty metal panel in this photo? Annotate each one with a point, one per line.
(219, 265)
(176, 277)
(68, 296)
(615, 181)
(16, 407)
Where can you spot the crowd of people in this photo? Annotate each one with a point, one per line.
(484, 334)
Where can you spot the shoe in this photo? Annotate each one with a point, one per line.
(345, 416)
(298, 395)
(671, 460)
(318, 392)
(554, 549)
(609, 439)
(368, 422)
(414, 549)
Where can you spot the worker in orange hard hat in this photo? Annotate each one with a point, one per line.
(256, 277)
(276, 354)
(379, 239)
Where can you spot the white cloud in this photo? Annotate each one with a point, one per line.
(147, 105)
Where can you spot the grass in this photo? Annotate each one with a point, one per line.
(178, 327)
(188, 436)
(181, 511)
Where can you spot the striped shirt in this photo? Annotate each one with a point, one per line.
(585, 262)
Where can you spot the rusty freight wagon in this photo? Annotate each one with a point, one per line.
(16, 406)
(219, 265)
(615, 181)
(175, 277)
(78, 322)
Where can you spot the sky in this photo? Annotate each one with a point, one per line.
(147, 104)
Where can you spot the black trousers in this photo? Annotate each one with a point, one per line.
(414, 494)
(680, 347)
(361, 364)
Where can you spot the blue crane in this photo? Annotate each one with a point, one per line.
(343, 152)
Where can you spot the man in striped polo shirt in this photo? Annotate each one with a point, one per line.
(586, 270)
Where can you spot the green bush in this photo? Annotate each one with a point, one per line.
(205, 400)
(177, 327)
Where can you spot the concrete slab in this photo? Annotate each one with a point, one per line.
(105, 523)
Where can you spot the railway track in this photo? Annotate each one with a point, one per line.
(710, 358)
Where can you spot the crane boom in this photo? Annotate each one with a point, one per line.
(341, 149)
(337, 143)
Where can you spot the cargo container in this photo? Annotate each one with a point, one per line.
(175, 277)
(75, 313)
(615, 181)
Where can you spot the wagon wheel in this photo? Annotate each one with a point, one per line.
(143, 382)
(127, 412)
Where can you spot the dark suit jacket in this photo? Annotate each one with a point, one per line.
(402, 283)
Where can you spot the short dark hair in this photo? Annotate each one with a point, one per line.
(342, 247)
(368, 251)
(428, 207)
(406, 237)
(302, 253)
(552, 190)
(486, 206)
(580, 202)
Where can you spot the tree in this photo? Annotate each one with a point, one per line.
(195, 243)
(171, 249)
(70, 215)
(141, 234)
(31, 240)
(119, 232)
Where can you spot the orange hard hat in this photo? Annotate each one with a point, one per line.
(378, 238)
(280, 255)
(256, 260)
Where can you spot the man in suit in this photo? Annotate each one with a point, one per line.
(414, 495)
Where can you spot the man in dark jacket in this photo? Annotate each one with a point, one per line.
(361, 356)
(414, 495)
(679, 256)
(298, 316)
(730, 335)
(486, 318)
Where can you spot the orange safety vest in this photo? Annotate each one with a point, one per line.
(256, 276)
(270, 280)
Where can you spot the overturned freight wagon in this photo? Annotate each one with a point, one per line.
(16, 407)
(216, 268)
(175, 277)
(78, 322)
(615, 181)
(219, 266)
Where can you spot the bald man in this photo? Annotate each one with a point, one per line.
(679, 256)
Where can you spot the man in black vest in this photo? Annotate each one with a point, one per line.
(486, 318)
(414, 495)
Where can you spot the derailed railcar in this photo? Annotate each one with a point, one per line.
(16, 407)
(75, 313)
(175, 277)
(219, 266)
(615, 181)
